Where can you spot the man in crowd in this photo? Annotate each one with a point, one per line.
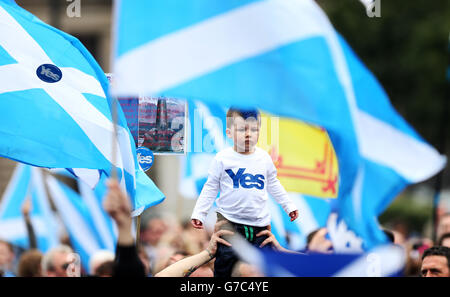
(6, 259)
(60, 262)
(436, 262)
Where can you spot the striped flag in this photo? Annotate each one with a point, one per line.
(88, 233)
(27, 183)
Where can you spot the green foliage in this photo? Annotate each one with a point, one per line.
(405, 210)
(406, 49)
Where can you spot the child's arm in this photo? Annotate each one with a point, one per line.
(207, 196)
(277, 191)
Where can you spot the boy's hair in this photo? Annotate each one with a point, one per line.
(244, 113)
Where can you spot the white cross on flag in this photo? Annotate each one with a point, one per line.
(54, 108)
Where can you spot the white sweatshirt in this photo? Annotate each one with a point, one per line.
(243, 182)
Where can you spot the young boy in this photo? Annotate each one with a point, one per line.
(243, 174)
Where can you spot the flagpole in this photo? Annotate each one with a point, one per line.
(114, 138)
(114, 99)
(442, 146)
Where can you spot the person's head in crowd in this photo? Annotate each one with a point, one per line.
(152, 231)
(401, 228)
(144, 259)
(7, 257)
(444, 240)
(311, 236)
(415, 247)
(191, 241)
(30, 264)
(56, 262)
(317, 242)
(105, 269)
(98, 258)
(243, 269)
(443, 225)
(172, 239)
(436, 262)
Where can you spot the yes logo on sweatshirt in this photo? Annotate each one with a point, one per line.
(246, 180)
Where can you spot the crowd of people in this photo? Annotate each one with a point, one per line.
(168, 248)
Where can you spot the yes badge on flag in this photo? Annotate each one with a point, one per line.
(55, 108)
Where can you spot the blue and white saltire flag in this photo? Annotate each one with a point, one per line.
(284, 57)
(55, 108)
(382, 261)
(83, 228)
(27, 183)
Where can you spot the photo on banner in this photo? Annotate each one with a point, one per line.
(162, 123)
(156, 123)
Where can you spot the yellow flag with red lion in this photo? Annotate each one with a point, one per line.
(303, 155)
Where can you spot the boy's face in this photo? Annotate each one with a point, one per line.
(245, 134)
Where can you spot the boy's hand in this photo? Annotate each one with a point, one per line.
(197, 224)
(293, 215)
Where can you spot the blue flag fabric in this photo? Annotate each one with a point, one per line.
(27, 183)
(288, 60)
(382, 261)
(89, 227)
(55, 110)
